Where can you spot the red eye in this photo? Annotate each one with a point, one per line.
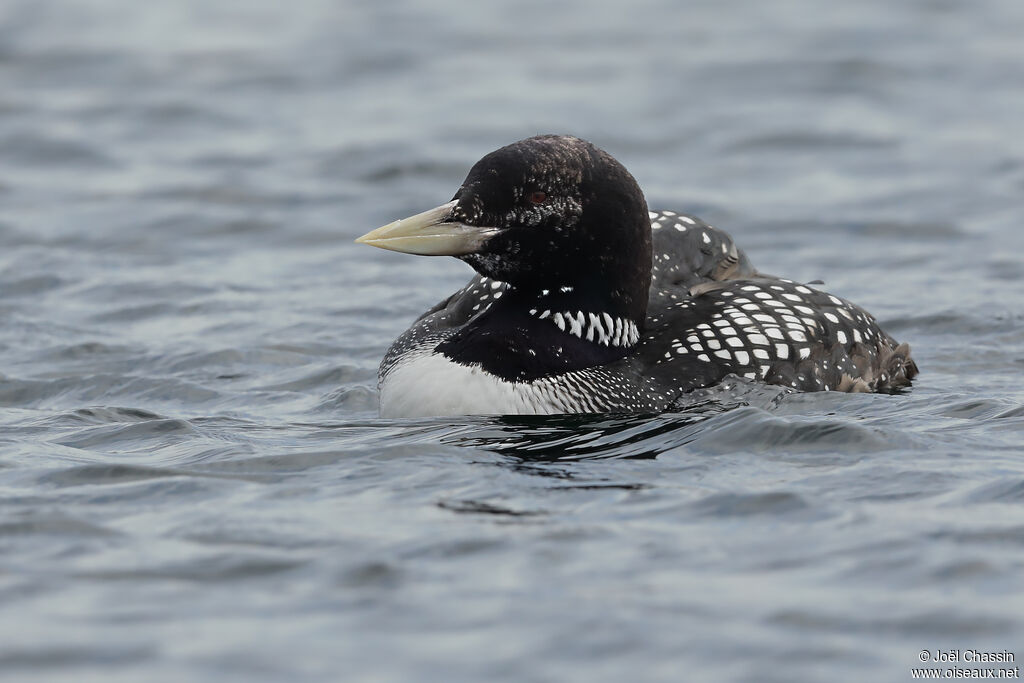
(538, 197)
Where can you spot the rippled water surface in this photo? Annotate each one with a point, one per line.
(194, 482)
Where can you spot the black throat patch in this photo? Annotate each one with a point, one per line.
(510, 340)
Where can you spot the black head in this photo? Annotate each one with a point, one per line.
(567, 215)
(547, 213)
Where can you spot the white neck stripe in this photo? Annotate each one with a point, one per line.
(599, 328)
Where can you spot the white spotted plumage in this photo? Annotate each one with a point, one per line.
(709, 315)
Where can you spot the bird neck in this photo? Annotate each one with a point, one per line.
(526, 335)
(591, 314)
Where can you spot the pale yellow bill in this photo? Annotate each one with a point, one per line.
(430, 234)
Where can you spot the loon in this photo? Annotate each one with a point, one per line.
(586, 302)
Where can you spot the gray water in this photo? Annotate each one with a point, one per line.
(194, 483)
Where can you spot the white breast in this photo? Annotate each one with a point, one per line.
(425, 385)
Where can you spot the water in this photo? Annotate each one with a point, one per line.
(194, 481)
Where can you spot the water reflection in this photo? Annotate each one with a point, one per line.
(549, 438)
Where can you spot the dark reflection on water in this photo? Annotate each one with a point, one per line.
(595, 437)
(194, 482)
(570, 437)
(582, 437)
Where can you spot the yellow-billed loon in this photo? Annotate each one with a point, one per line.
(586, 302)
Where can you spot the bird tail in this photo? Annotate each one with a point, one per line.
(896, 369)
